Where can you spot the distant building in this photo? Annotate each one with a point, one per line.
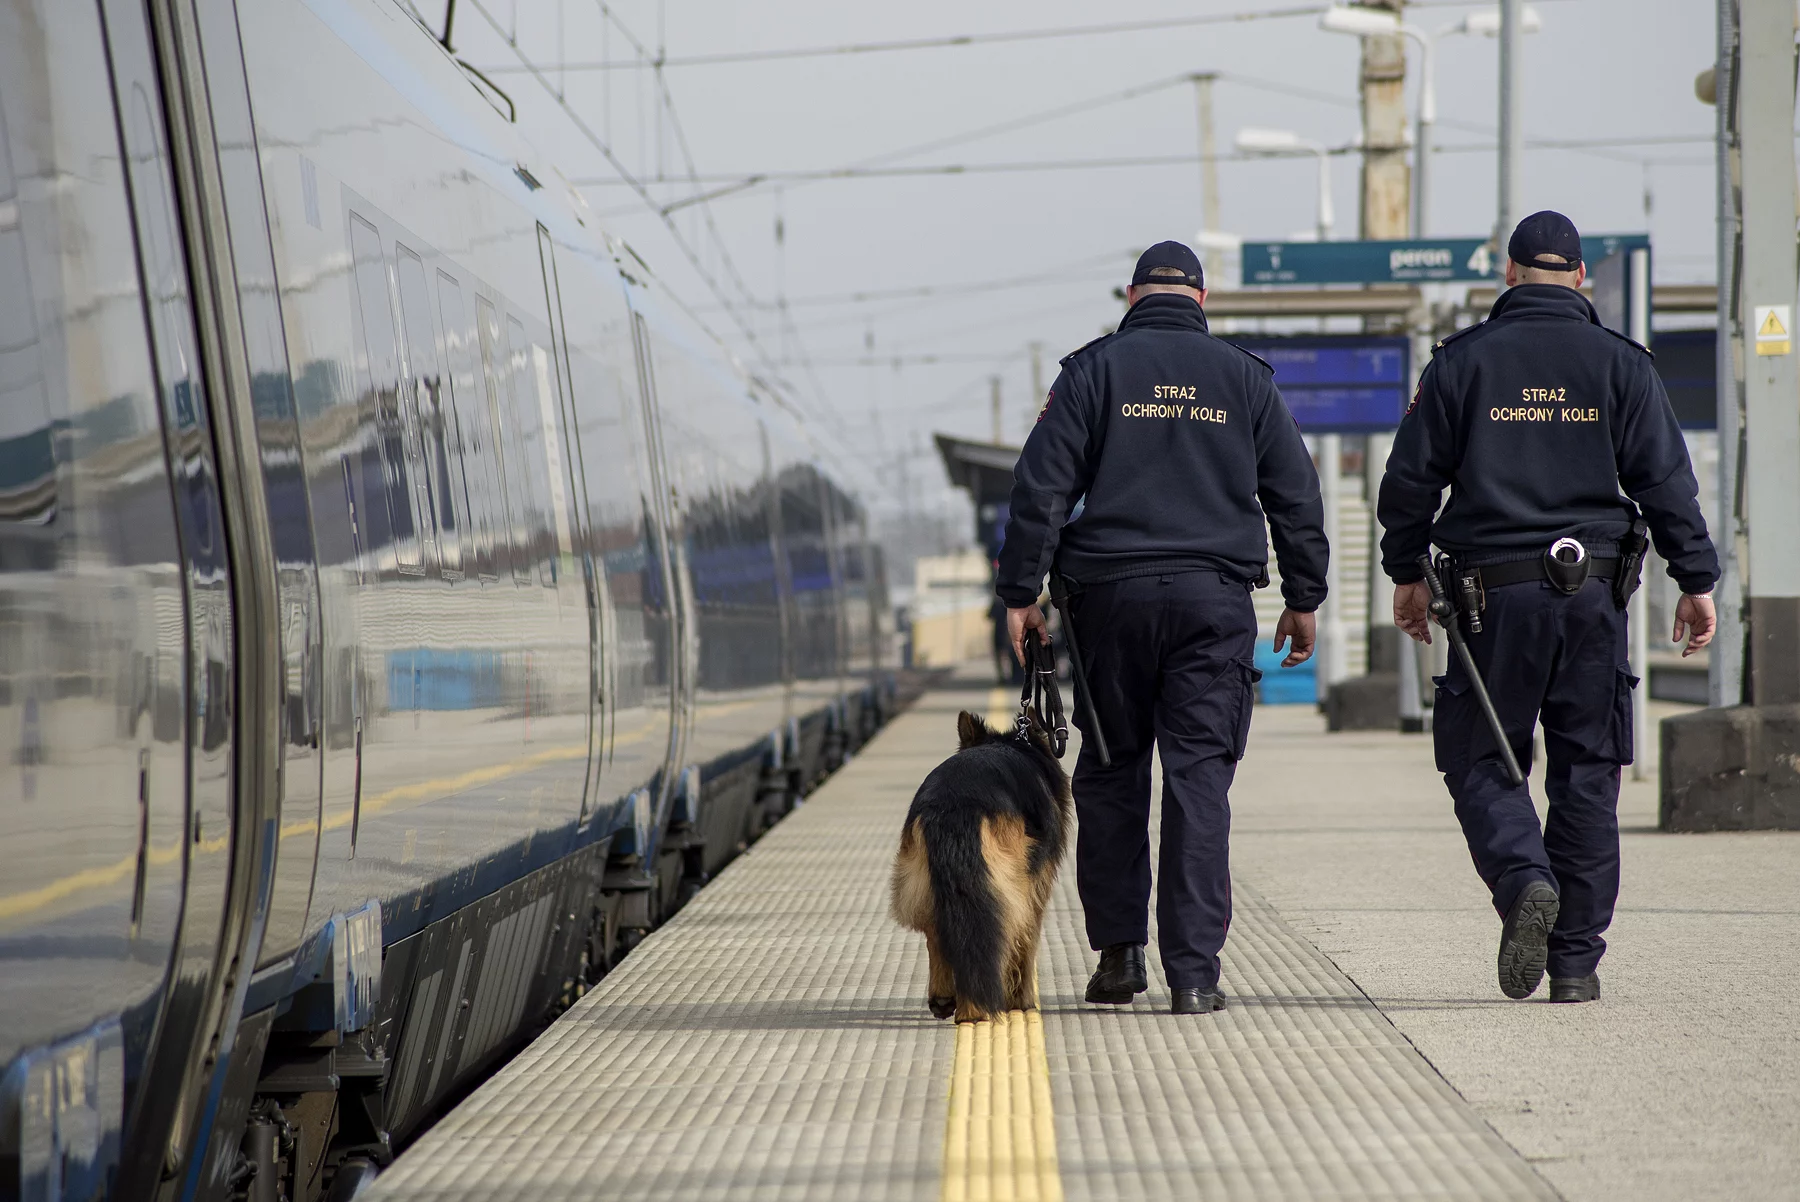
(950, 623)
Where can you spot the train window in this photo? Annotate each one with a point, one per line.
(467, 413)
(424, 383)
(384, 468)
(27, 454)
(528, 421)
(548, 389)
(446, 447)
(493, 362)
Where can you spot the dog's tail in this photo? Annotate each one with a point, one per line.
(966, 910)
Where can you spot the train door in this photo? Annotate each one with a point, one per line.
(684, 644)
(297, 628)
(576, 474)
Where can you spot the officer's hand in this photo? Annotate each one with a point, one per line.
(1694, 618)
(1018, 621)
(1412, 610)
(1303, 629)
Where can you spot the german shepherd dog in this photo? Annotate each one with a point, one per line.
(977, 858)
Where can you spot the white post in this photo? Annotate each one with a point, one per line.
(1326, 216)
(1422, 139)
(1725, 662)
(1332, 660)
(1637, 620)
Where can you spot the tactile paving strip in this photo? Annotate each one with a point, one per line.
(772, 1042)
(1299, 1089)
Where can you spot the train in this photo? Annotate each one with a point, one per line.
(405, 602)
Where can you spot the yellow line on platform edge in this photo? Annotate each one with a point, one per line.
(1000, 1137)
(1002, 706)
(1000, 1134)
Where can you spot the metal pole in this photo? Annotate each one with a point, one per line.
(1638, 612)
(1209, 167)
(994, 396)
(1512, 127)
(1421, 186)
(1725, 664)
(1771, 468)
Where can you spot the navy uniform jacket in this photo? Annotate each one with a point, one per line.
(1535, 419)
(1172, 437)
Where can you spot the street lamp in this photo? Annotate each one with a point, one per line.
(1374, 22)
(1285, 142)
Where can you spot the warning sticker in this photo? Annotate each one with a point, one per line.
(1773, 323)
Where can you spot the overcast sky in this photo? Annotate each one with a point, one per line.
(1618, 70)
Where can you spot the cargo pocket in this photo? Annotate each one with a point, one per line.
(1450, 729)
(1241, 736)
(1622, 738)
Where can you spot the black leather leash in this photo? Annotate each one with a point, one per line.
(1041, 691)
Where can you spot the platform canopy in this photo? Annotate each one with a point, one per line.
(985, 470)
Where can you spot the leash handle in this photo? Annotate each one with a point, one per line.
(1040, 689)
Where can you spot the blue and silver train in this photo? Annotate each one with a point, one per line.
(402, 610)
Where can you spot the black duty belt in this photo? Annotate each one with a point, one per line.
(1519, 571)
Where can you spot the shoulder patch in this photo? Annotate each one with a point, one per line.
(1628, 340)
(1085, 346)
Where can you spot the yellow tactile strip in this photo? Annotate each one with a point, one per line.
(1000, 1137)
(1000, 1134)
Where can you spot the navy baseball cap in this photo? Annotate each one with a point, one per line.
(1545, 233)
(1169, 263)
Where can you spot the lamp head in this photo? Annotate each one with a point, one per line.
(1360, 21)
(1486, 22)
(1252, 140)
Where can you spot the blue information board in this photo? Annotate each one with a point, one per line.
(1339, 383)
(1405, 261)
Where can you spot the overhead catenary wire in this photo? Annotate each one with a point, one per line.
(937, 43)
(777, 386)
(1048, 276)
(1128, 161)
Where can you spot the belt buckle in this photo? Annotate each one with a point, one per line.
(1566, 565)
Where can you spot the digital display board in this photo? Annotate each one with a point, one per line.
(1339, 383)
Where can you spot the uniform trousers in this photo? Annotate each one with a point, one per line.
(1562, 658)
(1169, 661)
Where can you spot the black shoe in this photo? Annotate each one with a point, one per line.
(1525, 940)
(1120, 976)
(1196, 1001)
(1575, 989)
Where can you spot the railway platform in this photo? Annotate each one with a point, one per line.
(772, 1040)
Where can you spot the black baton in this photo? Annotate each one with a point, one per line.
(1059, 597)
(1446, 615)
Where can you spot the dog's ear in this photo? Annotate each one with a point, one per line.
(970, 731)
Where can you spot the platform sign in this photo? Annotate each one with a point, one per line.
(1402, 261)
(1339, 384)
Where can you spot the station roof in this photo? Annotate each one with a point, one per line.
(985, 469)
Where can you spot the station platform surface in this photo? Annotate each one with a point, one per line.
(772, 1040)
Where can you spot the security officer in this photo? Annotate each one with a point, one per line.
(1162, 440)
(1535, 419)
